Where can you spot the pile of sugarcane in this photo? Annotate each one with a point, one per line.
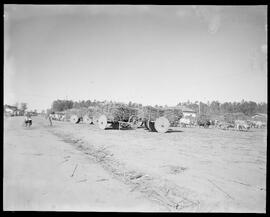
(173, 115)
(115, 113)
(150, 113)
(231, 117)
(112, 115)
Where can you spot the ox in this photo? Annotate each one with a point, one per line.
(259, 124)
(241, 125)
(184, 122)
(225, 126)
(204, 123)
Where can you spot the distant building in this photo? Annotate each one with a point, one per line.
(12, 110)
(260, 117)
(187, 112)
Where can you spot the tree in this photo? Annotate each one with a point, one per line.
(23, 106)
(203, 108)
(61, 105)
(262, 108)
(48, 111)
(17, 104)
(215, 107)
(88, 103)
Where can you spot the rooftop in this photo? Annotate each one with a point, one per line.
(185, 109)
(11, 107)
(260, 114)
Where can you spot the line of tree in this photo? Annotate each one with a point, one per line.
(62, 105)
(215, 107)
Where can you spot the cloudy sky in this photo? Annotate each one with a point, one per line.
(144, 54)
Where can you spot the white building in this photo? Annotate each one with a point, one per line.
(187, 112)
(260, 117)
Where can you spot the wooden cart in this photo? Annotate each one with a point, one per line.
(117, 117)
(160, 119)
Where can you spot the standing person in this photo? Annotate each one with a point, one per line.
(50, 118)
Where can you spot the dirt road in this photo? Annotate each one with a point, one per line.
(41, 172)
(205, 170)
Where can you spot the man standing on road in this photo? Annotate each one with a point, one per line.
(50, 118)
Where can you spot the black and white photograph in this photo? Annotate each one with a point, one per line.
(135, 108)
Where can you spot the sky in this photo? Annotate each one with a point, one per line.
(146, 54)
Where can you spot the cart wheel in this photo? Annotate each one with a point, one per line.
(151, 125)
(146, 124)
(134, 120)
(102, 122)
(95, 120)
(162, 124)
(87, 119)
(140, 123)
(74, 119)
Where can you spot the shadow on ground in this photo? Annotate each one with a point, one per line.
(118, 129)
(174, 131)
(169, 131)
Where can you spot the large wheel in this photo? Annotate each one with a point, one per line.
(74, 119)
(134, 120)
(146, 124)
(162, 125)
(102, 122)
(87, 119)
(95, 120)
(151, 125)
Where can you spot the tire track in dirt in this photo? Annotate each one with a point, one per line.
(164, 192)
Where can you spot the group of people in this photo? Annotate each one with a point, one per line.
(27, 119)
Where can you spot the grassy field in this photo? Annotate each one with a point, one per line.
(185, 169)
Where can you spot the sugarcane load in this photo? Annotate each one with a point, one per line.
(116, 116)
(160, 119)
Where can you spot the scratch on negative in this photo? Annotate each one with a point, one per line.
(220, 189)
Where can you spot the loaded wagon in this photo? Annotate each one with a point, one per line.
(82, 115)
(116, 116)
(122, 116)
(160, 119)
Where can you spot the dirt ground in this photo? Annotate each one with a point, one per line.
(80, 167)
